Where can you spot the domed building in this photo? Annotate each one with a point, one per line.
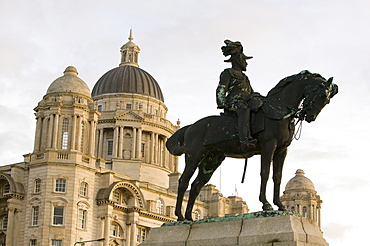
(301, 196)
(99, 171)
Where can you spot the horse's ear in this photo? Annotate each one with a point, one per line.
(329, 81)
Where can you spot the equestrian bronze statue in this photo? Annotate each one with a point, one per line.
(270, 130)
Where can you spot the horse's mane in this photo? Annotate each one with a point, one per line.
(286, 81)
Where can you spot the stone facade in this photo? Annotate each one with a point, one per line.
(300, 196)
(99, 168)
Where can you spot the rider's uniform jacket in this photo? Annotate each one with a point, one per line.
(234, 86)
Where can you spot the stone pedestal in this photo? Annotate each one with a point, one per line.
(270, 228)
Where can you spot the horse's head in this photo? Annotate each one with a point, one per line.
(316, 97)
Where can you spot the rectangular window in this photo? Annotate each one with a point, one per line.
(56, 242)
(58, 216)
(110, 147)
(128, 106)
(100, 107)
(4, 222)
(60, 185)
(33, 242)
(35, 215)
(65, 126)
(37, 186)
(83, 189)
(81, 219)
(143, 150)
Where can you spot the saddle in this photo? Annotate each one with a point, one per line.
(225, 126)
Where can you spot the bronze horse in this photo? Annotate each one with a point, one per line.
(208, 141)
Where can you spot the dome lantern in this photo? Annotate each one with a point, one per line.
(130, 52)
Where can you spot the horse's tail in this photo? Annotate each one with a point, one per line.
(175, 144)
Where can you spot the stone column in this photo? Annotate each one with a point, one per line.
(166, 161)
(138, 143)
(152, 148)
(36, 147)
(79, 134)
(115, 141)
(92, 137)
(44, 134)
(155, 152)
(50, 131)
(101, 138)
(55, 132)
(120, 145)
(73, 132)
(106, 230)
(133, 219)
(10, 230)
(133, 144)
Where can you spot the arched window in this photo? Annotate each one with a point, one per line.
(116, 230)
(160, 206)
(84, 189)
(65, 126)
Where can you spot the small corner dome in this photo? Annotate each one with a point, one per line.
(300, 182)
(69, 82)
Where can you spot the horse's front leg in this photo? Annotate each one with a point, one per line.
(278, 164)
(267, 153)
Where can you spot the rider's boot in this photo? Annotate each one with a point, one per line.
(245, 136)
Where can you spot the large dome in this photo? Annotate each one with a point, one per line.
(128, 79)
(299, 182)
(69, 82)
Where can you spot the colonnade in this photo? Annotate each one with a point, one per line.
(81, 133)
(154, 148)
(129, 230)
(313, 212)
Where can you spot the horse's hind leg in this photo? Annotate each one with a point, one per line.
(190, 167)
(278, 162)
(196, 186)
(206, 169)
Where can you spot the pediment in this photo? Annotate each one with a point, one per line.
(129, 115)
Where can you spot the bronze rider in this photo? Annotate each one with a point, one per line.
(234, 90)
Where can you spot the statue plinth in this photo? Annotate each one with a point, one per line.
(261, 228)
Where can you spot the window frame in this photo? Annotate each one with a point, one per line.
(57, 217)
(60, 187)
(56, 242)
(33, 242)
(160, 206)
(4, 222)
(35, 215)
(84, 189)
(81, 218)
(37, 186)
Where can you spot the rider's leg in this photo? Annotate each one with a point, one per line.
(245, 135)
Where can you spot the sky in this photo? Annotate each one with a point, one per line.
(180, 47)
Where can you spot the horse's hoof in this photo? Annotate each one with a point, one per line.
(180, 218)
(267, 207)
